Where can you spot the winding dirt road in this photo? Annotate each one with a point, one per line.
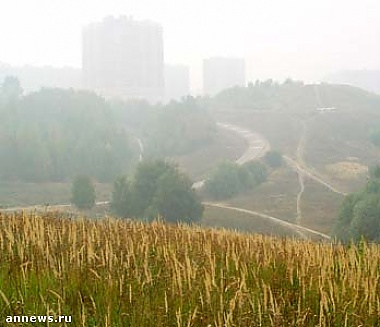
(257, 147)
(300, 230)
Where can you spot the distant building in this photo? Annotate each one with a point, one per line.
(177, 82)
(221, 73)
(124, 58)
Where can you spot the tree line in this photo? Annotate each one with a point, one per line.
(157, 188)
(53, 135)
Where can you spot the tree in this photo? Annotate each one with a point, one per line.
(230, 179)
(83, 192)
(144, 184)
(157, 189)
(273, 159)
(374, 172)
(366, 219)
(257, 170)
(374, 136)
(121, 201)
(359, 215)
(174, 199)
(225, 182)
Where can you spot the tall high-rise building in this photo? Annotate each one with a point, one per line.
(220, 73)
(177, 82)
(124, 58)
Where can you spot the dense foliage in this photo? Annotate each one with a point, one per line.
(374, 136)
(273, 159)
(53, 135)
(157, 189)
(359, 215)
(229, 179)
(171, 129)
(293, 96)
(83, 192)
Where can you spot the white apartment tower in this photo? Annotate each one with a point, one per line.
(124, 58)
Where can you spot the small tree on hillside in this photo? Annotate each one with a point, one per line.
(225, 182)
(157, 189)
(83, 192)
(273, 159)
(359, 215)
(121, 201)
(174, 199)
(257, 170)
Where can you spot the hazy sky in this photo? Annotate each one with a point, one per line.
(303, 39)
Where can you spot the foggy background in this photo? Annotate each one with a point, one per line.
(278, 39)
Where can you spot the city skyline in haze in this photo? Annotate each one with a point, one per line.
(278, 39)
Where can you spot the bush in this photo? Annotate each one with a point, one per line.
(230, 179)
(225, 182)
(359, 215)
(121, 198)
(157, 189)
(83, 192)
(273, 159)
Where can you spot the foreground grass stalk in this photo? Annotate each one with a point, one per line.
(126, 273)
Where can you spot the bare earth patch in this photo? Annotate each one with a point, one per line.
(347, 170)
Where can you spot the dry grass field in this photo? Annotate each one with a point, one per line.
(276, 197)
(320, 207)
(243, 222)
(226, 146)
(122, 273)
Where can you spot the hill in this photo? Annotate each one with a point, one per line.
(366, 79)
(125, 273)
(334, 146)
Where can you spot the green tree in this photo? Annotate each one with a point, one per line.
(257, 170)
(83, 192)
(225, 182)
(144, 184)
(157, 189)
(374, 136)
(366, 219)
(273, 159)
(374, 172)
(359, 215)
(121, 202)
(229, 179)
(174, 199)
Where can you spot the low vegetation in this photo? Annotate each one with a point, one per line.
(83, 192)
(229, 179)
(157, 189)
(123, 273)
(273, 159)
(53, 134)
(360, 212)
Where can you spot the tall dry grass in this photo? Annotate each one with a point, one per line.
(121, 273)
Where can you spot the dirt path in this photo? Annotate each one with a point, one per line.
(301, 231)
(300, 175)
(296, 166)
(257, 146)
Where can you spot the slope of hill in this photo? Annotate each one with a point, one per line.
(366, 79)
(123, 273)
(333, 145)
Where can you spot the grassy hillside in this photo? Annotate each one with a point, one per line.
(334, 146)
(122, 273)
